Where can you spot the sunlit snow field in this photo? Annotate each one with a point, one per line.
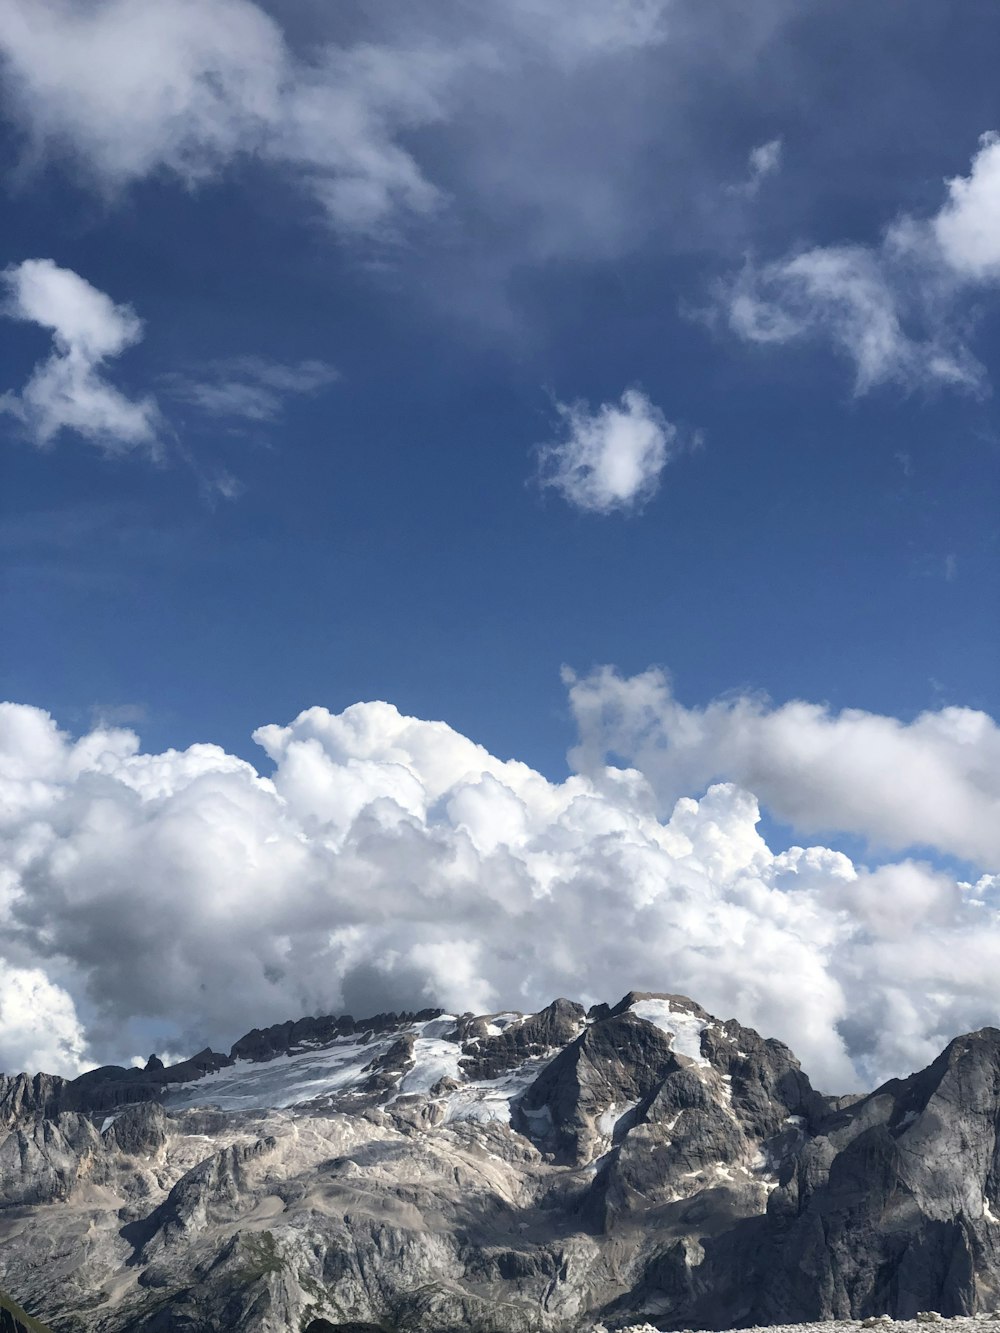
(340, 1069)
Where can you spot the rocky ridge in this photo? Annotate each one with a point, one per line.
(550, 1171)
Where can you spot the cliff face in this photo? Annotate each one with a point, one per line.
(502, 1172)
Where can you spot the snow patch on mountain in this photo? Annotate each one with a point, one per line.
(285, 1080)
(686, 1029)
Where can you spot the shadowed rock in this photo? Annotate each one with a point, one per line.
(640, 1162)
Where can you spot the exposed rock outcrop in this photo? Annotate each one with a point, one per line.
(637, 1162)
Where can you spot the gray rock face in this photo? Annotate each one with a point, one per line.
(618, 1061)
(22, 1097)
(641, 1162)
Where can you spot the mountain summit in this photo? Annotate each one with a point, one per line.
(548, 1171)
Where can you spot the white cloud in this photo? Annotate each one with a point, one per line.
(765, 159)
(611, 458)
(967, 228)
(762, 161)
(933, 782)
(68, 390)
(588, 29)
(252, 388)
(391, 862)
(193, 87)
(848, 296)
(891, 307)
(188, 86)
(39, 1027)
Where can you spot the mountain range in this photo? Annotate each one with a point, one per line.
(506, 1172)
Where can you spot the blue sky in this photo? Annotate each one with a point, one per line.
(396, 267)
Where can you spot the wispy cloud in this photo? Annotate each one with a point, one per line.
(610, 458)
(762, 161)
(70, 389)
(193, 88)
(249, 388)
(893, 308)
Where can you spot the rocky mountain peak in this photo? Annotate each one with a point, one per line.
(636, 1161)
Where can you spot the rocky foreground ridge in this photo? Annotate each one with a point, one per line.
(550, 1171)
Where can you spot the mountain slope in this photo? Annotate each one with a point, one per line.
(499, 1172)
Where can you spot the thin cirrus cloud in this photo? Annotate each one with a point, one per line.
(250, 388)
(610, 458)
(392, 862)
(70, 390)
(891, 308)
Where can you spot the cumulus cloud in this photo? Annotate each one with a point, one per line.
(609, 459)
(250, 388)
(391, 862)
(933, 782)
(69, 390)
(967, 228)
(39, 1027)
(892, 308)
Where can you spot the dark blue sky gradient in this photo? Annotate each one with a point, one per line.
(388, 541)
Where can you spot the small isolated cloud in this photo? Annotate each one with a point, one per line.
(390, 862)
(891, 308)
(763, 161)
(610, 459)
(250, 388)
(69, 389)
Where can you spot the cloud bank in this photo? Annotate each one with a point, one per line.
(893, 309)
(609, 459)
(932, 783)
(184, 897)
(69, 390)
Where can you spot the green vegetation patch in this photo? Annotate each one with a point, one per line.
(259, 1256)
